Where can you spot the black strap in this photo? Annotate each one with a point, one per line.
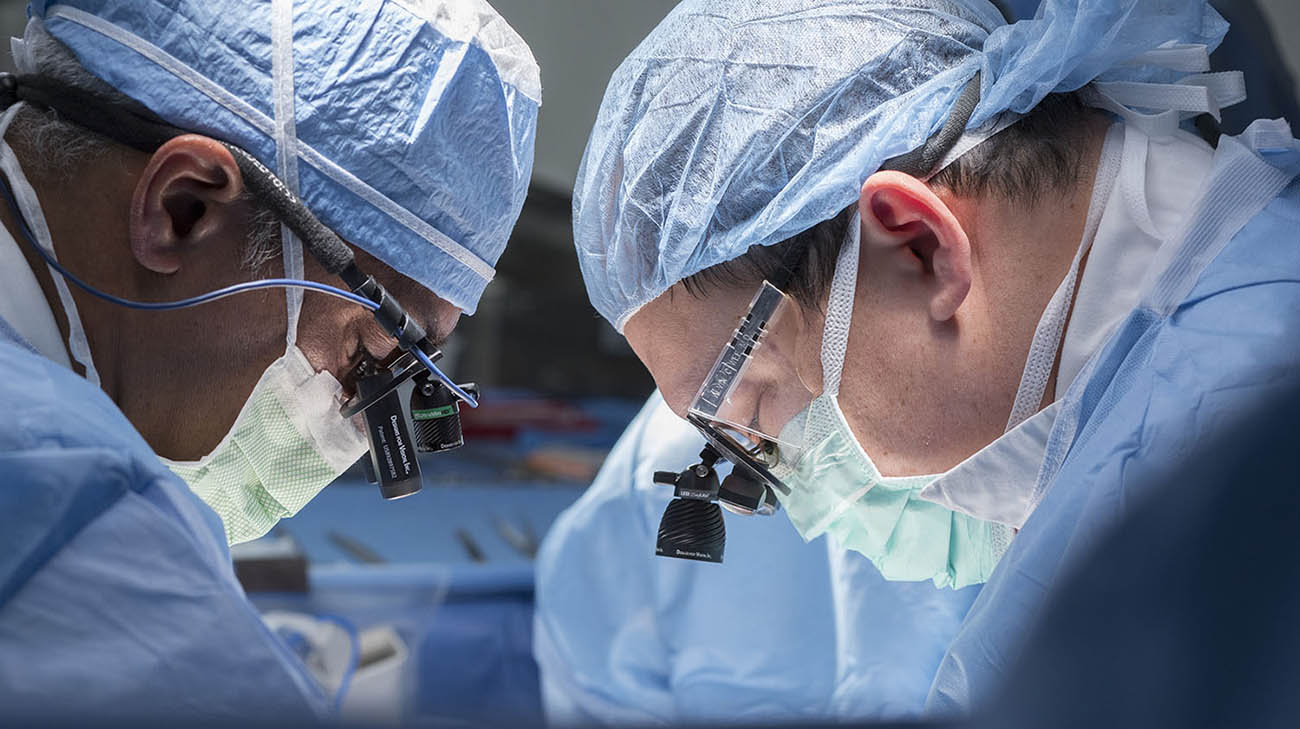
(137, 127)
(791, 261)
(923, 161)
(132, 125)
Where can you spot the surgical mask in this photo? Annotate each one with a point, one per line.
(835, 488)
(289, 440)
(29, 206)
(287, 443)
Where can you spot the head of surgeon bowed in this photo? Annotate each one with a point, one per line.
(178, 219)
(952, 276)
(174, 224)
(680, 217)
(918, 240)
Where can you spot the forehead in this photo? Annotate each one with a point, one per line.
(678, 337)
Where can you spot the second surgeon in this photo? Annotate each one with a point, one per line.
(925, 275)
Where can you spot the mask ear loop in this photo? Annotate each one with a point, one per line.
(286, 154)
(28, 206)
(922, 163)
(839, 309)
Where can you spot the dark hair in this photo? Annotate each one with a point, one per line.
(811, 275)
(1042, 152)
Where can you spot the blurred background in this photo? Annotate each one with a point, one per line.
(437, 587)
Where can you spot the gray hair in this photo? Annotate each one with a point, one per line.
(61, 148)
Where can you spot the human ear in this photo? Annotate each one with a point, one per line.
(903, 218)
(186, 197)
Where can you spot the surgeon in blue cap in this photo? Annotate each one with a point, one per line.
(156, 152)
(942, 287)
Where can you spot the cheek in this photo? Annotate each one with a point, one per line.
(802, 350)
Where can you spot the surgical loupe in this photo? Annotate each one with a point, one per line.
(692, 525)
(406, 412)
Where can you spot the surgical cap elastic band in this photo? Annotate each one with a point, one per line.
(286, 152)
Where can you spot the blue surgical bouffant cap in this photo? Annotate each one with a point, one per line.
(745, 122)
(408, 124)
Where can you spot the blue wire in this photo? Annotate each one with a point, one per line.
(231, 290)
(455, 389)
(221, 293)
(249, 286)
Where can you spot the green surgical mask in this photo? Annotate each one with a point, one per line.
(836, 489)
(287, 443)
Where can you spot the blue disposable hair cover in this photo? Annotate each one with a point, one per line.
(740, 123)
(410, 122)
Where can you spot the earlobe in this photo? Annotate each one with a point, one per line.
(903, 218)
(183, 199)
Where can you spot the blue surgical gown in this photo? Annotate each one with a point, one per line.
(117, 595)
(781, 629)
(1168, 383)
